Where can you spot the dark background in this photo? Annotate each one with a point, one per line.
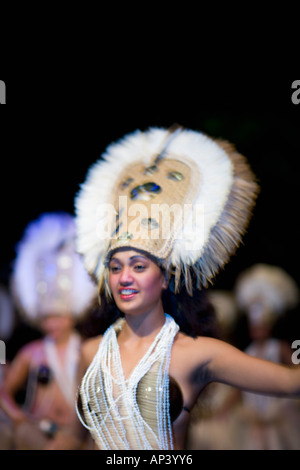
(48, 144)
(54, 128)
(66, 103)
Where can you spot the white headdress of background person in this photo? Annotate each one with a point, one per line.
(264, 292)
(177, 194)
(48, 275)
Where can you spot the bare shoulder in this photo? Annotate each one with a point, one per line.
(190, 363)
(198, 351)
(90, 347)
(202, 344)
(30, 349)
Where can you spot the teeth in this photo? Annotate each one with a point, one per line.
(128, 291)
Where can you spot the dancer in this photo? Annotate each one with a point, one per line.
(265, 293)
(53, 291)
(158, 216)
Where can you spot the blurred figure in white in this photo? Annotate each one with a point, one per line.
(213, 421)
(265, 293)
(53, 291)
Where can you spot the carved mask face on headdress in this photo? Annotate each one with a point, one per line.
(152, 204)
(175, 194)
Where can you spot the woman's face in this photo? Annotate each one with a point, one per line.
(136, 282)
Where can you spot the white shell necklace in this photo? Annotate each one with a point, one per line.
(64, 373)
(109, 402)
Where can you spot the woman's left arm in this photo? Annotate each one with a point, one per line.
(227, 364)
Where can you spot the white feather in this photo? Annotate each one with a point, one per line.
(195, 243)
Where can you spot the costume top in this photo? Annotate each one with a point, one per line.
(132, 413)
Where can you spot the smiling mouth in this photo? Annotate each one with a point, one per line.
(127, 294)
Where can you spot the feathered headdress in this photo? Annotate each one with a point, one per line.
(176, 194)
(265, 292)
(49, 276)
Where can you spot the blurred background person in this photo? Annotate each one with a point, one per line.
(213, 421)
(265, 293)
(53, 292)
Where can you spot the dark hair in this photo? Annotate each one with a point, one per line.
(194, 315)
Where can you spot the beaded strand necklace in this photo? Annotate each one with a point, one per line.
(111, 411)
